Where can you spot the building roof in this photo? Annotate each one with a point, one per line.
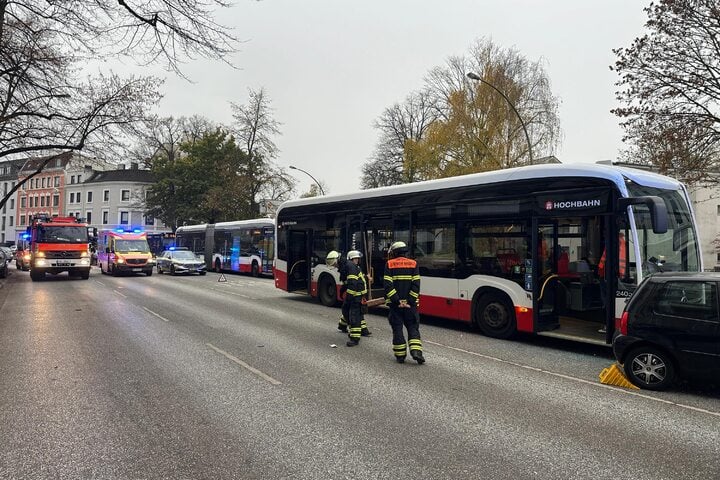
(127, 175)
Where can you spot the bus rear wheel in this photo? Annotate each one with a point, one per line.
(327, 291)
(494, 316)
(255, 269)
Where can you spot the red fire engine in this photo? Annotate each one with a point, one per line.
(58, 244)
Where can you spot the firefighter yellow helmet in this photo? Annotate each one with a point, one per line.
(352, 254)
(332, 258)
(397, 249)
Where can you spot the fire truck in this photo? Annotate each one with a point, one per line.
(123, 251)
(58, 244)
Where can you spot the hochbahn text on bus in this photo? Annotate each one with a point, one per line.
(243, 246)
(548, 249)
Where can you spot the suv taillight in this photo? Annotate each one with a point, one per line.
(624, 322)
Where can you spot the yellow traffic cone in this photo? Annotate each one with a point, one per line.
(613, 375)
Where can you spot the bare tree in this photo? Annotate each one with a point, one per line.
(669, 89)
(45, 106)
(254, 128)
(397, 125)
(163, 137)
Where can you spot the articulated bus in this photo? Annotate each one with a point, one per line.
(513, 250)
(244, 246)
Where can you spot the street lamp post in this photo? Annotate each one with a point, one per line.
(477, 78)
(314, 180)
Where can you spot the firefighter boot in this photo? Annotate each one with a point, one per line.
(417, 356)
(352, 342)
(342, 324)
(365, 332)
(400, 359)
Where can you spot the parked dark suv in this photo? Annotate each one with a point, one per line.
(671, 329)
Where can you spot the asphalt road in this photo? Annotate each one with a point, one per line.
(187, 377)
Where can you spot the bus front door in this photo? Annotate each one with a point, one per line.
(546, 286)
(298, 261)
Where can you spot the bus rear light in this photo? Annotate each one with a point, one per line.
(624, 323)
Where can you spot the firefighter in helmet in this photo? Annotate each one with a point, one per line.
(355, 296)
(335, 259)
(402, 294)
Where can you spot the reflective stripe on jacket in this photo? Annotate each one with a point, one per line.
(401, 281)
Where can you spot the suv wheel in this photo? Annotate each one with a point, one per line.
(649, 368)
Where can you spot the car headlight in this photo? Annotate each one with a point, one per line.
(40, 254)
(120, 260)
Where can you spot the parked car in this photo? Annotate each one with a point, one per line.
(4, 261)
(670, 329)
(8, 254)
(22, 259)
(180, 260)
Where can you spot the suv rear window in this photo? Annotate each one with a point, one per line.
(696, 300)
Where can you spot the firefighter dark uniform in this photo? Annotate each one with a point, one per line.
(334, 259)
(354, 296)
(402, 294)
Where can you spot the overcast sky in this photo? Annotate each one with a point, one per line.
(330, 67)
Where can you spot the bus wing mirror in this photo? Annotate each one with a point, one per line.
(657, 207)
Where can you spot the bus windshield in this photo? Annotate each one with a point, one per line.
(64, 234)
(131, 246)
(677, 249)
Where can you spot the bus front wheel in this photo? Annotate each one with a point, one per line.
(494, 316)
(255, 269)
(327, 292)
(218, 268)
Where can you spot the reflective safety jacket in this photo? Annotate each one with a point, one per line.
(355, 283)
(401, 281)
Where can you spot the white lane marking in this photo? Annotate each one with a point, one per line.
(118, 293)
(157, 315)
(245, 365)
(579, 380)
(236, 294)
(101, 283)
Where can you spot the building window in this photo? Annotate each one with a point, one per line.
(72, 197)
(149, 220)
(22, 219)
(79, 178)
(124, 217)
(88, 216)
(105, 215)
(57, 181)
(106, 195)
(89, 197)
(56, 200)
(42, 182)
(124, 195)
(72, 179)
(11, 219)
(12, 204)
(22, 202)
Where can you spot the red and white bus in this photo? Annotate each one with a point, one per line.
(509, 250)
(243, 246)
